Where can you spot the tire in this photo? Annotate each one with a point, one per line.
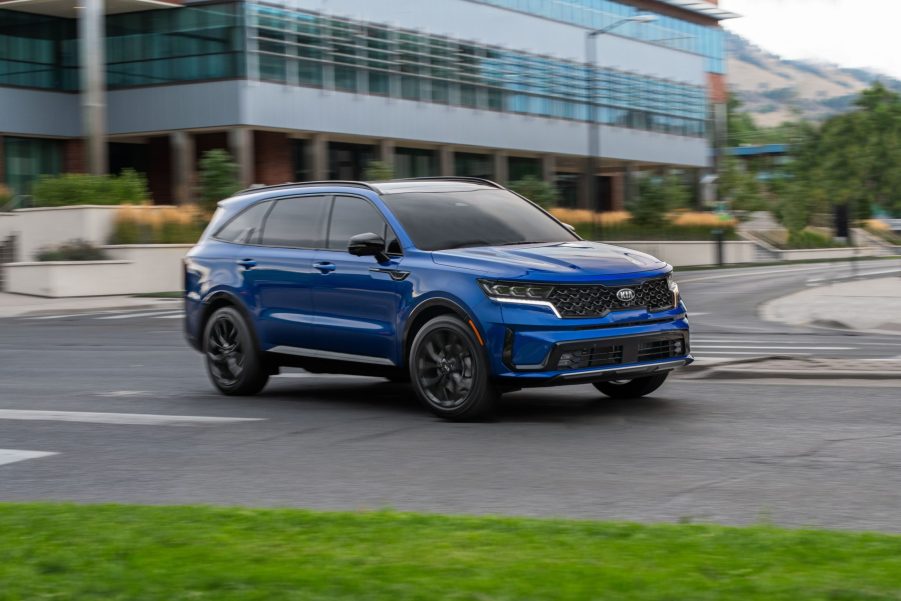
(233, 363)
(632, 389)
(449, 371)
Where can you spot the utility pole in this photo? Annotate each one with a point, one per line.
(92, 54)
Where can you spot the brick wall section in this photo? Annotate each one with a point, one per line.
(212, 141)
(74, 157)
(716, 84)
(272, 158)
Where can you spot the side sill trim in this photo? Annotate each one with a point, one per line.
(317, 354)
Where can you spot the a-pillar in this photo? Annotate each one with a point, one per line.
(318, 157)
(501, 167)
(445, 161)
(182, 144)
(240, 144)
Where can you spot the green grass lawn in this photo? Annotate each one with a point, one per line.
(109, 553)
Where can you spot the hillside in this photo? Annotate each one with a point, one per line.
(775, 90)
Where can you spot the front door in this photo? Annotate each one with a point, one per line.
(357, 299)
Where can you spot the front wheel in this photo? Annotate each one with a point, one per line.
(233, 362)
(632, 389)
(450, 372)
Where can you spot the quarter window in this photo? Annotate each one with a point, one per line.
(296, 222)
(245, 228)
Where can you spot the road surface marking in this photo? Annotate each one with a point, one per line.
(748, 273)
(778, 348)
(757, 353)
(133, 315)
(12, 455)
(176, 316)
(134, 419)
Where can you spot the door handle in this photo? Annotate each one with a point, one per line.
(247, 263)
(325, 267)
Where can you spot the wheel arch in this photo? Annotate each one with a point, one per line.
(219, 300)
(425, 312)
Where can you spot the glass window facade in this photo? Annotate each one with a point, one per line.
(26, 159)
(37, 51)
(312, 49)
(709, 41)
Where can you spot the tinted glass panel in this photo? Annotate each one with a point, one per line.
(245, 228)
(297, 222)
(352, 216)
(438, 221)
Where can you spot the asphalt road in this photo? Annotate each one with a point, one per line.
(114, 407)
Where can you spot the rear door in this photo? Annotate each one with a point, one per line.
(281, 270)
(357, 299)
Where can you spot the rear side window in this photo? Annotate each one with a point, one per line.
(297, 222)
(245, 228)
(352, 216)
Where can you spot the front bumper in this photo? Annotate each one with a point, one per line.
(538, 350)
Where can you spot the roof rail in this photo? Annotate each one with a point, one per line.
(453, 178)
(261, 187)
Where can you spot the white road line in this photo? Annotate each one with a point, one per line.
(13, 455)
(134, 419)
(133, 315)
(176, 316)
(777, 348)
(64, 316)
(705, 353)
(748, 273)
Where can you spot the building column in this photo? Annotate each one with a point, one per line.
(386, 152)
(501, 167)
(445, 161)
(91, 36)
(2, 163)
(549, 169)
(240, 144)
(182, 144)
(584, 202)
(318, 157)
(628, 185)
(618, 192)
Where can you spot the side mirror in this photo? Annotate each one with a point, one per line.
(368, 245)
(570, 227)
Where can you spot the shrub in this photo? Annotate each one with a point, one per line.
(75, 250)
(378, 171)
(218, 177)
(6, 196)
(537, 190)
(130, 187)
(619, 225)
(809, 239)
(158, 225)
(577, 216)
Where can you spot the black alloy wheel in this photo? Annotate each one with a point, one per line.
(233, 362)
(449, 370)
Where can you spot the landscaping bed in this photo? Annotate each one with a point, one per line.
(116, 552)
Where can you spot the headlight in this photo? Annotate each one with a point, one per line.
(674, 288)
(515, 290)
(519, 293)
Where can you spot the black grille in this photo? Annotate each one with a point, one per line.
(597, 301)
(660, 349)
(590, 356)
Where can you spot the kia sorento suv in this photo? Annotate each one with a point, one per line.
(457, 285)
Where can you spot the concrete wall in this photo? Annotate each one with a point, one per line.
(833, 253)
(8, 223)
(683, 254)
(133, 269)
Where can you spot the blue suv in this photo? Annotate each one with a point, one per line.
(458, 285)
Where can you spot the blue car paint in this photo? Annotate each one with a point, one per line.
(352, 305)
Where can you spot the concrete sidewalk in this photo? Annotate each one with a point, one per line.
(19, 305)
(872, 305)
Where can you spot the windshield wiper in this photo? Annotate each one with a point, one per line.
(526, 242)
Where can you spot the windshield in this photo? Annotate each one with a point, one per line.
(445, 220)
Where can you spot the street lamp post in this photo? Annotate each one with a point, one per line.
(594, 129)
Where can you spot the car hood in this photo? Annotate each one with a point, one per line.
(561, 259)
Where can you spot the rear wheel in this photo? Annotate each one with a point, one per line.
(632, 389)
(450, 372)
(233, 362)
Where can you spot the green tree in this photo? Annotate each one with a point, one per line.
(378, 171)
(218, 177)
(657, 196)
(537, 190)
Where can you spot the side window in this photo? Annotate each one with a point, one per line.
(296, 222)
(245, 228)
(352, 216)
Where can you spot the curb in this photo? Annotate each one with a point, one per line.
(88, 311)
(714, 373)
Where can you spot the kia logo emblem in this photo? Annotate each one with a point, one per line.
(625, 295)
